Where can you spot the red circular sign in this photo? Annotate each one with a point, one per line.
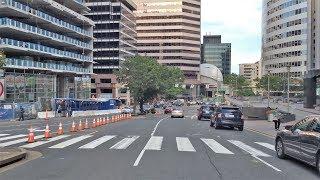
(1, 89)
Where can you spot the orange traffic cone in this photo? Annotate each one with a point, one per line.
(31, 135)
(47, 134)
(86, 125)
(80, 126)
(108, 120)
(93, 123)
(73, 127)
(98, 122)
(60, 130)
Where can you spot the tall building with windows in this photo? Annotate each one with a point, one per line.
(250, 71)
(284, 37)
(48, 48)
(216, 53)
(115, 41)
(169, 31)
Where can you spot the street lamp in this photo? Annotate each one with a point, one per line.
(288, 87)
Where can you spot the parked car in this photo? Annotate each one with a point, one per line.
(177, 113)
(205, 112)
(127, 110)
(227, 116)
(147, 108)
(301, 141)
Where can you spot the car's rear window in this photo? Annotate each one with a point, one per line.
(231, 111)
(208, 108)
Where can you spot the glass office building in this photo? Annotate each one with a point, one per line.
(216, 53)
(48, 47)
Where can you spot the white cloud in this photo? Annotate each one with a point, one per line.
(239, 22)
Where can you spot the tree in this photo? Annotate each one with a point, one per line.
(2, 59)
(275, 83)
(146, 79)
(239, 83)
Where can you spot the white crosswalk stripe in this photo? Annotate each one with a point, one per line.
(154, 143)
(12, 137)
(184, 144)
(266, 145)
(19, 141)
(97, 142)
(4, 135)
(39, 143)
(70, 142)
(124, 143)
(249, 149)
(216, 147)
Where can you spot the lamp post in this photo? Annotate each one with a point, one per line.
(288, 88)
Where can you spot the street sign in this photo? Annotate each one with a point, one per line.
(1, 89)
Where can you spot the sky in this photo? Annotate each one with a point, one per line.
(239, 23)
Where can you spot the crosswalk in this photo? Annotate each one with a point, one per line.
(154, 143)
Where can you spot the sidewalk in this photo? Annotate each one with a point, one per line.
(265, 127)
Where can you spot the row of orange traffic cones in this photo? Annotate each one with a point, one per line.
(80, 127)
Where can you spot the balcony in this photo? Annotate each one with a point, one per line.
(9, 8)
(23, 30)
(15, 46)
(46, 66)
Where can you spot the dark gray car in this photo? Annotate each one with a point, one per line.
(301, 141)
(227, 116)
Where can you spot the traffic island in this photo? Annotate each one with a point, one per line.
(11, 155)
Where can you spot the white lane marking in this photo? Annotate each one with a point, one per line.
(19, 141)
(4, 135)
(97, 142)
(155, 128)
(216, 147)
(70, 142)
(154, 143)
(184, 144)
(124, 143)
(266, 145)
(249, 149)
(264, 162)
(13, 137)
(39, 143)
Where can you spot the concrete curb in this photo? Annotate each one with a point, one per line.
(12, 155)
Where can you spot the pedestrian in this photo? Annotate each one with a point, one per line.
(21, 117)
(276, 119)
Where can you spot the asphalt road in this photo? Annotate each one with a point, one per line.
(154, 147)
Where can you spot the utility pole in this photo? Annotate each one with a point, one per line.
(268, 88)
(288, 88)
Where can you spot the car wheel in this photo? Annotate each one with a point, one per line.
(280, 149)
(240, 128)
(318, 163)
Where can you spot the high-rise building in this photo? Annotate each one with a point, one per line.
(169, 31)
(216, 53)
(48, 49)
(284, 37)
(250, 71)
(115, 41)
(312, 77)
